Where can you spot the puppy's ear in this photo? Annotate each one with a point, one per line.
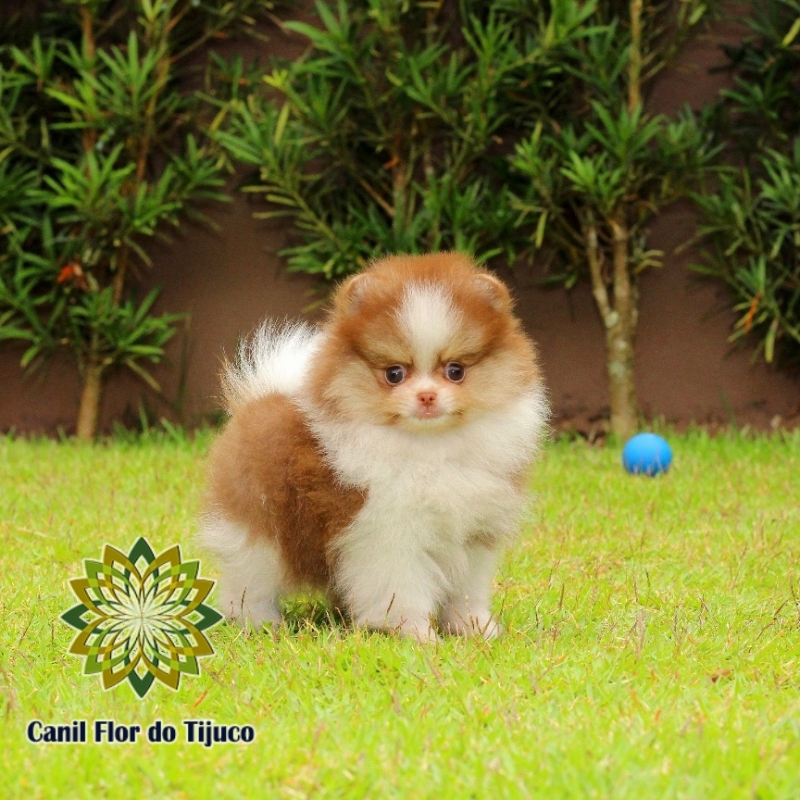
(494, 290)
(349, 295)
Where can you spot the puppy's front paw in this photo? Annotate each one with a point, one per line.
(255, 615)
(488, 628)
(421, 630)
(411, 624)
(464, 623)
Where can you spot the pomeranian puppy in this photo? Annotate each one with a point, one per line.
(381, 458)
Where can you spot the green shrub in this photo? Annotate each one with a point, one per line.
(390, 133)
(396, 132)
(596, 178)
(101, 149)
(751, 215)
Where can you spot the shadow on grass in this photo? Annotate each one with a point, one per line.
(311, 614)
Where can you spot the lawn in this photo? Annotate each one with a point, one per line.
(652, 645)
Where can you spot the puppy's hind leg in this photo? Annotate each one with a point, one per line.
(252, 573)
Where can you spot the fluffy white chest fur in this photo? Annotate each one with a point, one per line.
(438, 512)
(453, 485)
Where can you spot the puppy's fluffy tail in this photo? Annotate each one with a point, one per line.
(274, 360)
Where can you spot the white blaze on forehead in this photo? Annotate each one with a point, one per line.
(429, 320)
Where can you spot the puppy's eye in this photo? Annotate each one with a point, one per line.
(454, 371)
(395, 374)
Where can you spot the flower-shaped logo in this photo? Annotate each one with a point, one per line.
(141, 617)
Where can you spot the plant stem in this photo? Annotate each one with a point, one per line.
(87, 29)
(398, 192)
(89, 410)
(621, 385)
(120, 275)
(594, 256)
(635, 57)
(619, 312)
(620, 336)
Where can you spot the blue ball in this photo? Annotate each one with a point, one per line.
(647, 454)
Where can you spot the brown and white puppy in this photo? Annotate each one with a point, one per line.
(382, 457)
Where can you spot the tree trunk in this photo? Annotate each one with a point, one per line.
(621, 383)
(635, 57)
(620, 335)
(89, 411)
(619, 310)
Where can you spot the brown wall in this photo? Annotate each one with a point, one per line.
(230, 279)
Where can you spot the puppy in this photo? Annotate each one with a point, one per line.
(381, 458)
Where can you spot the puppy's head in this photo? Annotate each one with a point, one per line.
(421, 342)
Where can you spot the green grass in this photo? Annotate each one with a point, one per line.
(653, 643)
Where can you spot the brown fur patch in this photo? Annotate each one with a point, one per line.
(267, 472)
